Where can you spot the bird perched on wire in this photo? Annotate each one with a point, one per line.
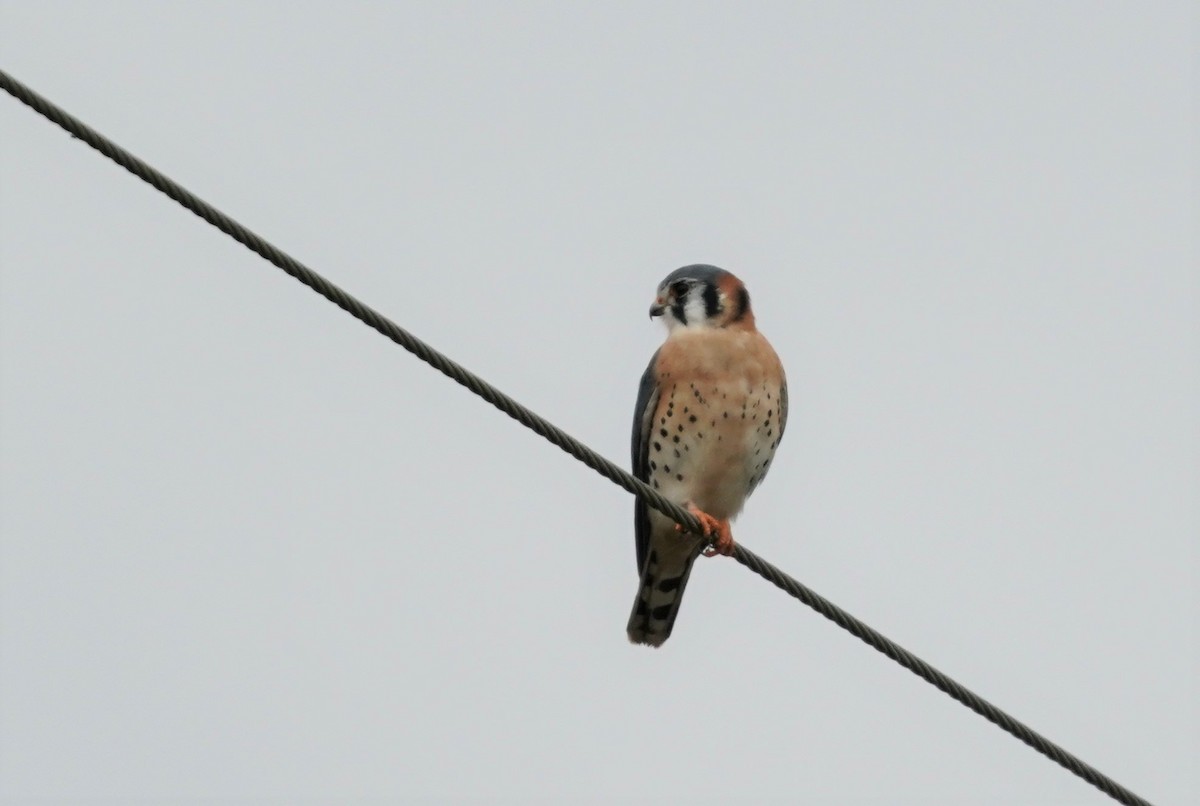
(710, 413)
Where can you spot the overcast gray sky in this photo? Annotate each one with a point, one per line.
(252, 552)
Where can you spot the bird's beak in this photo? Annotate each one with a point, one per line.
(657, 308)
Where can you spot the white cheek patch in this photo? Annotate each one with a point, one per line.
(695, 309)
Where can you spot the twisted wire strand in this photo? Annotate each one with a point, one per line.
(562, 439)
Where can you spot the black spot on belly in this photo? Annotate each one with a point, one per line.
(658, 446)
(677, 453)
(676, 438)
(681, 428)
(662, 431)
(654, 465)
(679, 477)
(692, 419)
(666, 468)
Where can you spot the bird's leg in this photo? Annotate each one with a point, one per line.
(723, 544)
(718, 530)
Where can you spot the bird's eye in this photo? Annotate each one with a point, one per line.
(679, 288)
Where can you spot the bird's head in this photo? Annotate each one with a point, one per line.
(702, 296)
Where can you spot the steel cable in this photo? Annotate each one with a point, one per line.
(562, 439)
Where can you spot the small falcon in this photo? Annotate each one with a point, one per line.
(710, 412)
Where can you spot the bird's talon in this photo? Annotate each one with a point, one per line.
(723, 545)
(717, 531)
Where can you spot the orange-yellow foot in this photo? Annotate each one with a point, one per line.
(714, 528)
(723, 542)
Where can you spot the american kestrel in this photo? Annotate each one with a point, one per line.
(710, 412)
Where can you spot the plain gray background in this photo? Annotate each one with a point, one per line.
(254, 553)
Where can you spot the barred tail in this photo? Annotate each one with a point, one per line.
(658, 598)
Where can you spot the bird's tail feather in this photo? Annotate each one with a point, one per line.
(659, 595)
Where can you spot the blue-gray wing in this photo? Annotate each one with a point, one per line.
(643, 415)
(783, 407)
